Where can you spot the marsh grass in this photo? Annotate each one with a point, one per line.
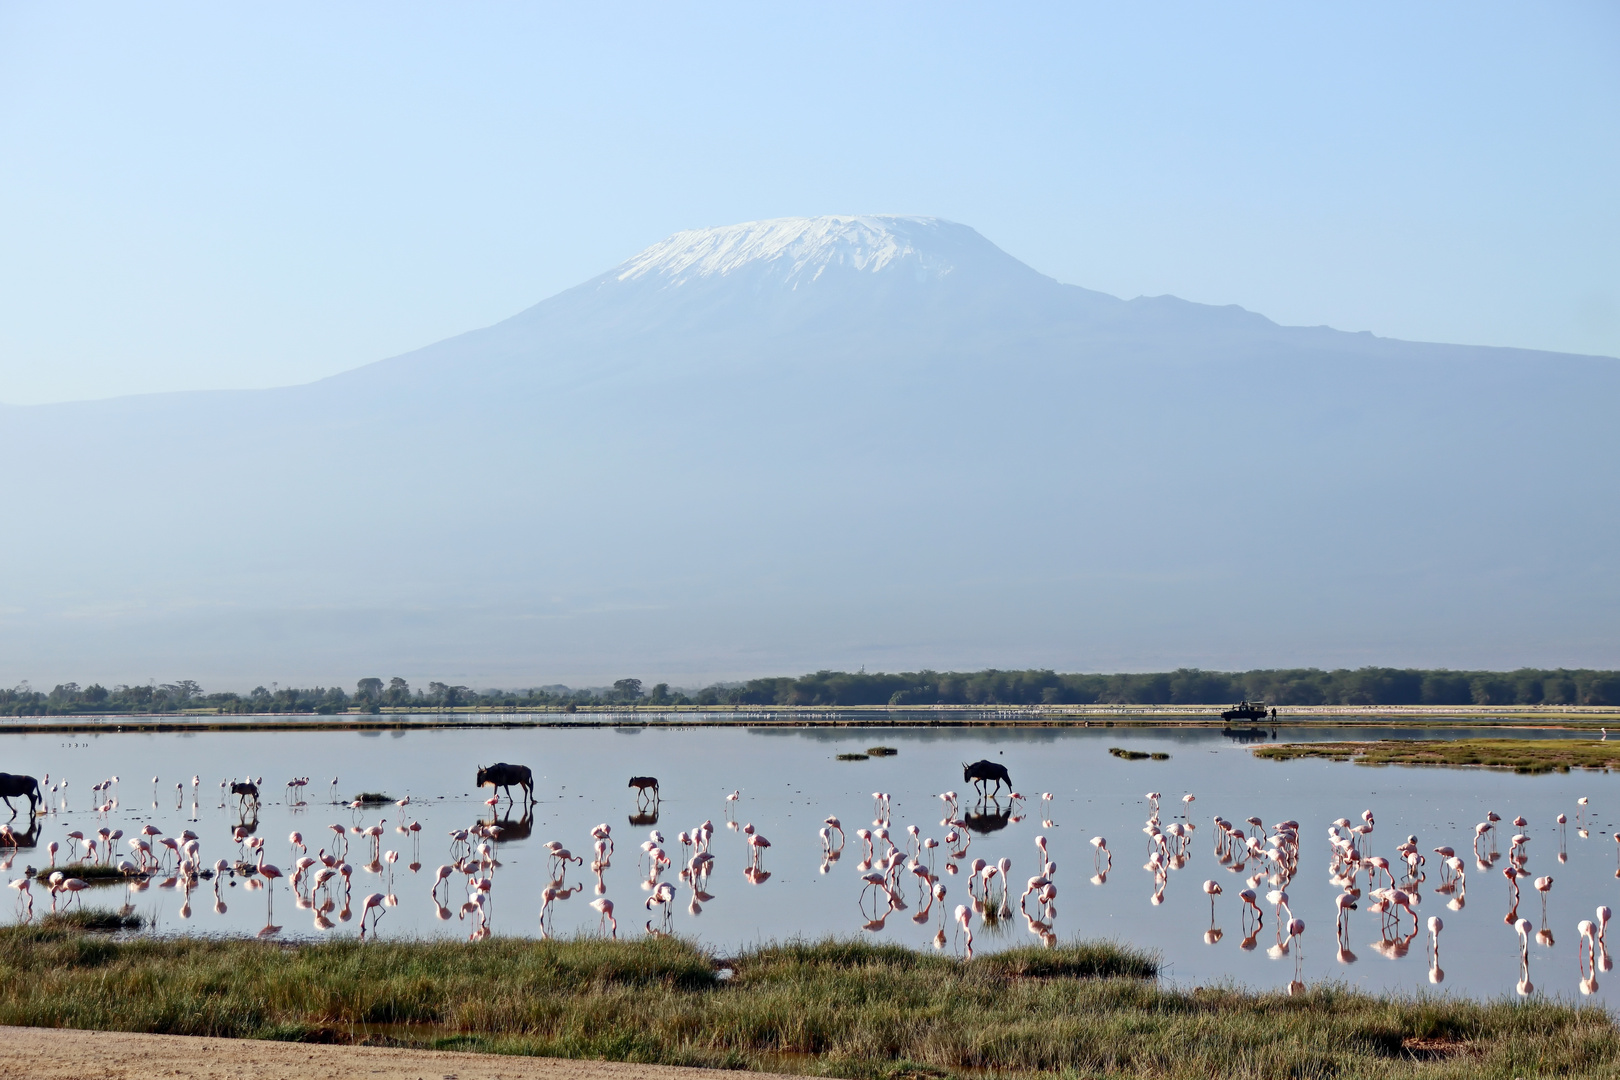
(82, 919)
(373, 798)
(1130, 755)
(1520, 755)
(882, 751)
(840, 1008)
(93, 873)
(853, 757)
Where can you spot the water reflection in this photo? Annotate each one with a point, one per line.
(1379, 882)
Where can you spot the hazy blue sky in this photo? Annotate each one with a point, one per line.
(248, 195)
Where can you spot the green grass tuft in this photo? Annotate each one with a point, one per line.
(882, 751)
(852, 757)
(84, 919)
(373, 798)
(93, 873)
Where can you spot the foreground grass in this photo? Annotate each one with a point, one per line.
(833, 1008)
(1521, 755)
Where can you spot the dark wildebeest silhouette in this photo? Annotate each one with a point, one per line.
(245, 791)
(642, 784)
(18, 786)
(502, 776)
(980, 772)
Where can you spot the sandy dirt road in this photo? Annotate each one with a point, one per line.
(60, 1053)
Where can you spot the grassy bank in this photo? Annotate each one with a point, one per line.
(1521, 755)
(836, 1008)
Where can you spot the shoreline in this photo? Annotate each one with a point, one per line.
(1572, 718)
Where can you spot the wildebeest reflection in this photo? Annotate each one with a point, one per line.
(988, 817)
(643, 820)
(512, 828)
(11, 838)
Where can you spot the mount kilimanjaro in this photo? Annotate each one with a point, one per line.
(825, 442)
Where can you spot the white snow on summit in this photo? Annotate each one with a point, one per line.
(798, 250)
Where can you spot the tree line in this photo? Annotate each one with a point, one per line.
(1185, 686)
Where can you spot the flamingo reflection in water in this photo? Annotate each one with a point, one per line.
(1586, 955)
(1525, 987)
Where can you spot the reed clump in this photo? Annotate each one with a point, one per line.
(93, 873)
(838, 1008)
(83, 920)
(1520, 755)
(373, 798)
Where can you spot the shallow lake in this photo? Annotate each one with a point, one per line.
(790, 779)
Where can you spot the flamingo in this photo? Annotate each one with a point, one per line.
(757, 844)
(271, 873)
(964, 920)
(1543, 885)
(73, 887)
(373, 902)
(662, 897)
(1212, 889)
(24, 888)
(604, 906)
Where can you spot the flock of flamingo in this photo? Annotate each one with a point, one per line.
(899, 871)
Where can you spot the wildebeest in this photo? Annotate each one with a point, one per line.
(18, 785)
(642, 784)
(245, 791)
(502, 776)
(981, 771)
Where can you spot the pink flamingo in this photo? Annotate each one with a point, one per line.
(604, 906)
(373, 902)
(757, 845)
(271, 874)
(73, 887)
(24, 889)
(964, 921)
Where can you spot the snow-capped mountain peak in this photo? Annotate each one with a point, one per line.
(800, 250)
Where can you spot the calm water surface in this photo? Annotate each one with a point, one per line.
(789, 780)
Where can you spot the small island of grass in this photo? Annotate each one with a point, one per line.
(1520, 755)
(92, 873)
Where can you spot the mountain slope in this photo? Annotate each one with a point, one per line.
(829, 441)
